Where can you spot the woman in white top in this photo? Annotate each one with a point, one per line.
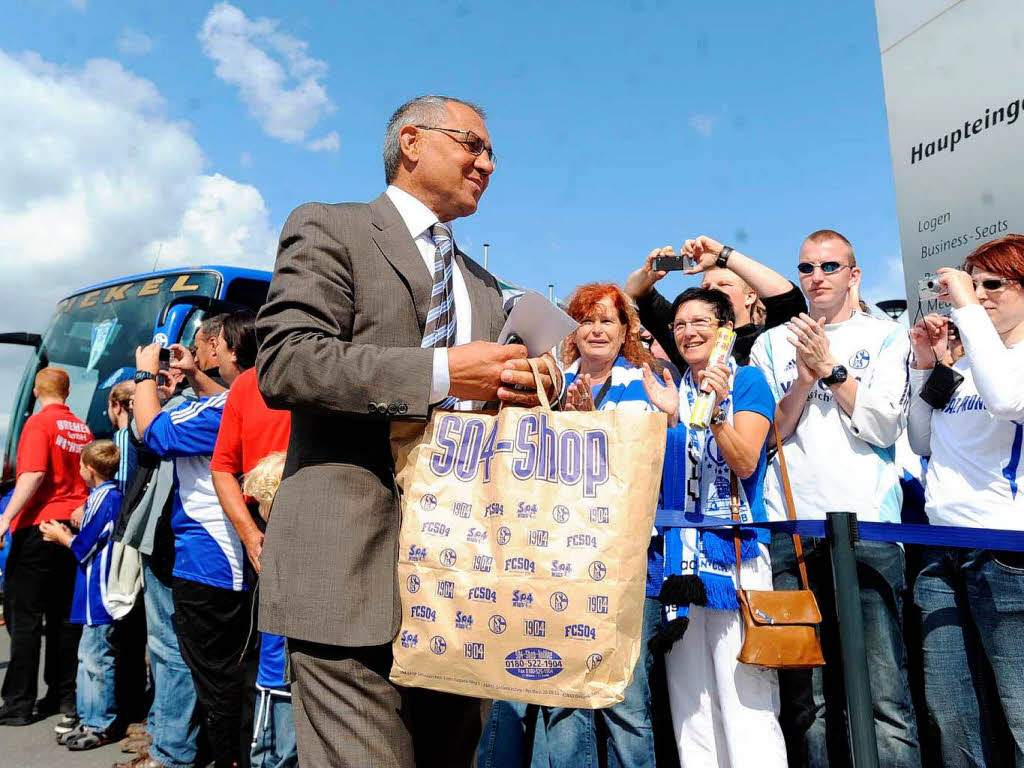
(972, 601)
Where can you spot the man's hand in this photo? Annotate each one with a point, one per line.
(641, 282)
(77, 515)
(810, 341)
(521, 387)
(253, 543)
(5, 524)
(959, 286)
(475, 369)
(930, 339)
(183, 359)
(148, 358)
(704, 251)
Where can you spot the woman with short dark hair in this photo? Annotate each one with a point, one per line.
(723, 712)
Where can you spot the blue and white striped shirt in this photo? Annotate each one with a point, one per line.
(206, 548)
(91, 547)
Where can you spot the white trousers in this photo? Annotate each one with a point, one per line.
(724, 713)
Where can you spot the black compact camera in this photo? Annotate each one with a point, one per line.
(673, 263)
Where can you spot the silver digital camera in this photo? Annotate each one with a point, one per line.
(929, 288)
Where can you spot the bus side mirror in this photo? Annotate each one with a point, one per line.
(206, 303)
(22, 338)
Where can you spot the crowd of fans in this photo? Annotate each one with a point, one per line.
(186, 484)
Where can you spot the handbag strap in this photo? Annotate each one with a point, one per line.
(734, 506)
(787, 492)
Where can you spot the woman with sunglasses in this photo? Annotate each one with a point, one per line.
(972, 600)
(723, 713)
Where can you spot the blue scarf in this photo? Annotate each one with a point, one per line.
(700, 563)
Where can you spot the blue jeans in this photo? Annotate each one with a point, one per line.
(273, 740)
(972, 613)
(172, 722)
(565, 738)
(97, 707)
(816, 736)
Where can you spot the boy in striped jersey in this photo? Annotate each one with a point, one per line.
(119, 411)
(96, 705)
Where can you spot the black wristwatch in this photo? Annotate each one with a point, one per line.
(723, 257)
(838, 376)
(141, 376)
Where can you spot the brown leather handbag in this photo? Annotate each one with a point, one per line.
(780, 625)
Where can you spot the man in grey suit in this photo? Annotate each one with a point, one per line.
(373, 317)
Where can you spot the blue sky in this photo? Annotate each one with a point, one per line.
(189, 130)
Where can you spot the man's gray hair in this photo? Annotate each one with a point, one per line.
(423, 110)
(211, 326)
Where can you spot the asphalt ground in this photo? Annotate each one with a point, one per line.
(35, 745)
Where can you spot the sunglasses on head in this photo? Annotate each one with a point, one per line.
(828, 267)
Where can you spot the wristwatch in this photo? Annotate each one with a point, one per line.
(838, 376)
(723, 257)
(141, 376)
(717, 418)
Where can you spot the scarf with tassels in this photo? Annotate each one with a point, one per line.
(700, 563)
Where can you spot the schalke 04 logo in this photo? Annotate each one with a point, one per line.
(560, 513)
(497, 624)
(438, 644)
(413, 583)
(448, 557)
(597, 570)
(428, 502)
(559, 601)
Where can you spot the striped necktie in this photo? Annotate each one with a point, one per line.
(439, 330)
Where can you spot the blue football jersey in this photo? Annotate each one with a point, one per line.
(206, 548)
(91, 547)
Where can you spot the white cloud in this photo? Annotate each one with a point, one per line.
(281, 85)
(132, 42)
(329, 143)
(704, 124)
(97, 179)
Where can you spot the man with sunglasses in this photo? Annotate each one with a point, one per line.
(839, 377)
(373, 318)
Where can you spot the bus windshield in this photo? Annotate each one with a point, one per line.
(93, 337)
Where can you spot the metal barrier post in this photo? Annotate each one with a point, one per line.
(841, 529)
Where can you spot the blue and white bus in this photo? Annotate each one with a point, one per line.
(94, 332)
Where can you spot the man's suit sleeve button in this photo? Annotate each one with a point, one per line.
(372, 407)
(392, 409)
(382, 408)
(403, 408)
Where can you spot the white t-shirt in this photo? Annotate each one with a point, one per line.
(975, 477)
(840, 463)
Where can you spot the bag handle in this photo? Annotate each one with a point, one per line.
(734, 505)
(541, 394)
(787, 492)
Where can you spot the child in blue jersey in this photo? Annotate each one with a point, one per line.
(96, 705)
(273, 736)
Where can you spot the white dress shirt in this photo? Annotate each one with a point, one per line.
(419, 219)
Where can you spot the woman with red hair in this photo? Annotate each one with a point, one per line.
(973, 429)
(606, 366)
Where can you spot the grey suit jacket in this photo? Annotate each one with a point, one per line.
(340, 348)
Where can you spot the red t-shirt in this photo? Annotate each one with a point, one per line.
(52, 442)
(249, 430)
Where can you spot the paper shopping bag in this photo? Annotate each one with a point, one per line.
(523, 553)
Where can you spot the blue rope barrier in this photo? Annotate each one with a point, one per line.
(907, 533)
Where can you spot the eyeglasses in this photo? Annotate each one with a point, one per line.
(700, 325)
(827, 267)
(996, 284)
(473, 143)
